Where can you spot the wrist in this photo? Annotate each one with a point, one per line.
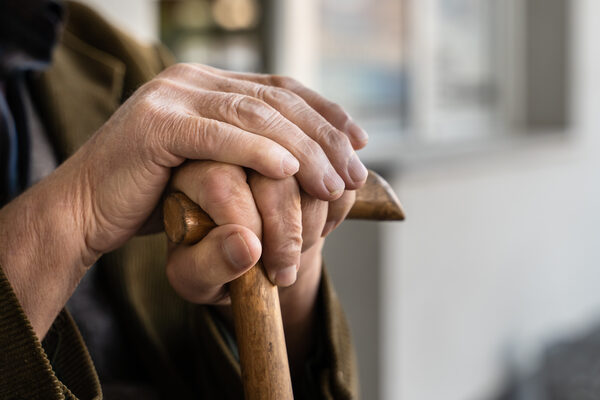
(42, 247)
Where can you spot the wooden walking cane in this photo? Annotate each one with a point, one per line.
(255, 300)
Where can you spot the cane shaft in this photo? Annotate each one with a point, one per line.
(255, 306)
(261, 341)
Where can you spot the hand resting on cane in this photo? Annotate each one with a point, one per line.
(250, 209)
(108, 190)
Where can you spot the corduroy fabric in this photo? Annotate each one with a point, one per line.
(70, 360)
(25, 370)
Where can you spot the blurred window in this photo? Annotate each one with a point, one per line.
(363, 59)
(224, 33)
(428, 71)
(448, 70)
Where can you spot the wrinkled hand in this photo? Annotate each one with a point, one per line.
(270, 124)
(107, 191)
(249, 210)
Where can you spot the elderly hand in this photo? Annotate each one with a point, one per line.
(108, 190)
(270, 124)
(248, 210)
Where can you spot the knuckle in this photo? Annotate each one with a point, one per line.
(153, 86)
(229, 173)
(331, 138)
(273, 193)
(309, 149)
(285, 82)
(158, 88)
(220, 184)
(323, 131)
(245, 107)
(291, 247)
(152, 120)
(289, 223)
(149, 106)
(166, 124)
(175, 70)
(259, 90)
(209, 135)
(283, 96)
(254, 112)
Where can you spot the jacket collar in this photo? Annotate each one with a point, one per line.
(78, 93)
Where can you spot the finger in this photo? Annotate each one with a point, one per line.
(278, 202)
(198, 273)
(221, 191)
(288, 114)
(295, 111)
(189, 136)
(314, 214)
(337, 211)
(250, 115)
(329, 110)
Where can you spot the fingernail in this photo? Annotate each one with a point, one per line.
(334, 184)
(290, 165)
(286, 276)
(356, 169)
(237, 251)
(328, 228)
(358, 133)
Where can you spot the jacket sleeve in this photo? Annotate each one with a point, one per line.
(58, 368)
(338, 376)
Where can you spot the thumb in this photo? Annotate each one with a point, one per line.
(199, 272)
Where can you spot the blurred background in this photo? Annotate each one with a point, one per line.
(484, 114)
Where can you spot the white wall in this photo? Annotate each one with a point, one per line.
(500, 252)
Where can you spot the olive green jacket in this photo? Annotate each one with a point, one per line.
(95, 68)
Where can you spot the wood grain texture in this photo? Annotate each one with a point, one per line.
(255, 300)
(376, 201)
(260, 336)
